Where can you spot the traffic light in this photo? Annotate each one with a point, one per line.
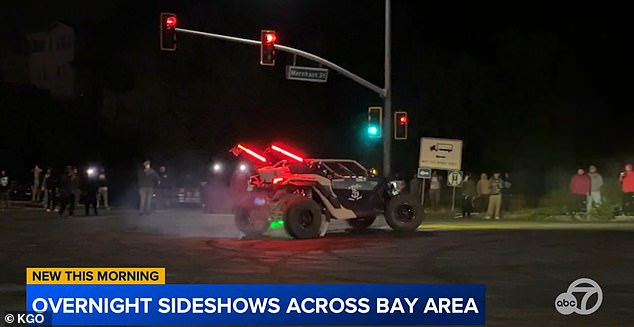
(375, 121)
(401, 122)
(267, 47)
(168, 32)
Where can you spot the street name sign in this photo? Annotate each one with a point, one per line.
(307, 74)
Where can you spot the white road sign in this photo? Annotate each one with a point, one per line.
(454, 178)
(443, 154)
(308, 74)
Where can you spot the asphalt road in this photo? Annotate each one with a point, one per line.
(524, 265)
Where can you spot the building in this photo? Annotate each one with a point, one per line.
(50, 62)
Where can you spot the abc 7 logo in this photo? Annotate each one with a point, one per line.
(566, 303)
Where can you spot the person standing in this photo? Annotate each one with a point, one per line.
(414, 186)
(44, 188)
(496, 185)
(103, 190)
(50, 191)
(506, 192)
(468, 195)
(596, 182)
(627, 187)
(148, 180)
(90, 188)
(580, 189)
(483, 189)
(75, 184)
(434, 190)
(164, 188)
(67, 199)
(35, 189)
(5, 187)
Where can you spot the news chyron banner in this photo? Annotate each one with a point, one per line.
(140, 297)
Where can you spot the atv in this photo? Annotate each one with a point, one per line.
(304, 195)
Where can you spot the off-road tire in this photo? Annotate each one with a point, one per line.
(303, 218)
(404, 213)
(360, 223)
(251, 220)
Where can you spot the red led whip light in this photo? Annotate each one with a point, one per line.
(253, 154)
(288, 154)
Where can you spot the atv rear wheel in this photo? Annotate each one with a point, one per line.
(404, 213)
(252, 221)
(303, 218)
(360, 223)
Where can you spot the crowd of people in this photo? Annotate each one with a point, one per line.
(62, 193)
(586, 190)
(492, 196)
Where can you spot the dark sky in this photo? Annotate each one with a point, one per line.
(526, 84)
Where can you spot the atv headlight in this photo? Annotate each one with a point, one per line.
(258, 201)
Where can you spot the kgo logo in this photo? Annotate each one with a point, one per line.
(30, 318)
(566, 303)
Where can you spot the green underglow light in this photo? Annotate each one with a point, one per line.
(276, 224)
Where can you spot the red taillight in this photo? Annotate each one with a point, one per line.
(278, 180)
(288, 154)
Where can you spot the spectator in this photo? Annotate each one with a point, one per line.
(102, 194)
(148, 180)
(580, 189)
(435, 185)
(506, 192)
(90, 187)
(596, 182)
(483, 189)
(468, 195)
(67, 199)
(5, 187)
(414, 186)
(627, 187)
(44, 188)
(35, 189)
(496, 185)
(51, 191)
(75, 185)
(164, 188)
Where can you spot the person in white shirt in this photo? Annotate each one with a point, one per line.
(596, 182)
(434, 190)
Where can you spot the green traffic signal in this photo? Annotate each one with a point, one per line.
(373, 131)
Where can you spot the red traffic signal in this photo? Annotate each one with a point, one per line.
(168, 31)
(170, 22)
(400, 128)
(270, 38)
(267, 48)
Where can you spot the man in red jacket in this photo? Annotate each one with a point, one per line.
(580, 189)
(627, 186)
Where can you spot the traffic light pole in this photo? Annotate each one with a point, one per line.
(387, 97)
(298, 52)
(385, 93)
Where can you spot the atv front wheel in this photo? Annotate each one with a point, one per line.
(303, 218)
(404, 213)
(252, 221)
(360, 223)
